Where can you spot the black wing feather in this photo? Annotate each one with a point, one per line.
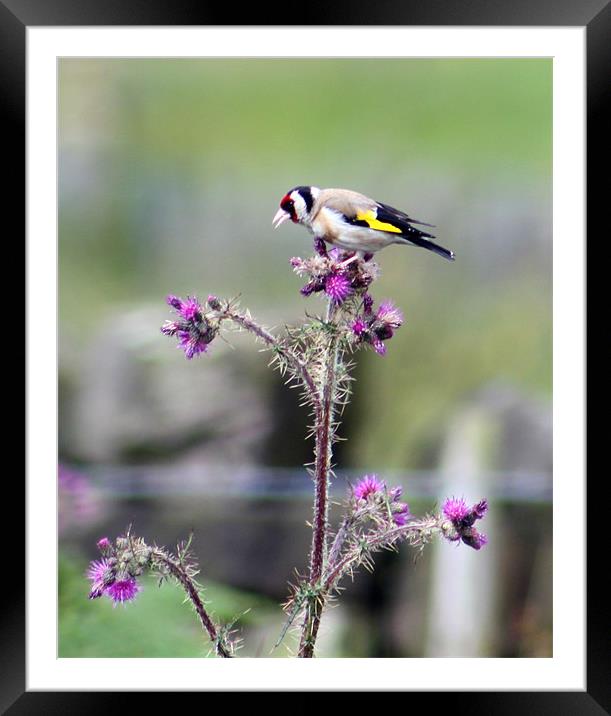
(401, 215)
(402, 221)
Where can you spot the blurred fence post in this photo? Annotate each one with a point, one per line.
(461, 611)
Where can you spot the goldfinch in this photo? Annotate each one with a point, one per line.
(353, 221)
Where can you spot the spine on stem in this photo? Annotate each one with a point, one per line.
(322, 470)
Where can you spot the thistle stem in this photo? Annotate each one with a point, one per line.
(192, 592)
(385, 539)
(338, 542)
(324, 443)
(297, 363)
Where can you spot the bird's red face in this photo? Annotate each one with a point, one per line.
(285, 212)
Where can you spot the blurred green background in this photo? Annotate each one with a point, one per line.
(170, 172)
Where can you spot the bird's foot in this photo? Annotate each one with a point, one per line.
(355, 257)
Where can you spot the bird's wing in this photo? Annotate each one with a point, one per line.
(359, 210)
(402, 223)
(384, 218)
(345, 202)
(401, 215)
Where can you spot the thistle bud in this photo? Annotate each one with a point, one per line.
(105, 546)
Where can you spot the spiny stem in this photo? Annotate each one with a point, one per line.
(324, 442)
(297, 363)
(324, 446)
(187, 583)
(338, 542)
(376, 541)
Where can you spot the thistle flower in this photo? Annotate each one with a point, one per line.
(192, 343)
(400, 510)
(474, 539)
(462, 519)
(378, 346)
(388, 500)
(298, 264)
(334, 272)
(337, 287)
(128, 557)
(170, 328)
(359, 326)
(100, 574)
(104, 545)
(480, 509)
(368, 485)
(376, 328)
(191, 310)
(389, 315)
(194, 331)
(174, 301)
(401, 513)
(123, 590)
(455, 509)
(312, 287)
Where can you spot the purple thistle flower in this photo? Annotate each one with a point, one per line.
(194, 332)
(100, 575)
(337, 287)
(389, 315)
(123, 590)
(368, 485)
(192, 345)
(98, 570)
(400, 510)
(455, 510)
(379, 347)
(191, 310)
(104, 545)
(311, 287)
(375, 329)
(169, 328)
(462, 518)
(359, 326)
(174, 301)
(479, 510)
(395, 493)
(402, 513)
(474, 539)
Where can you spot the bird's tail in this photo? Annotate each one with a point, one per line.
(419, 238)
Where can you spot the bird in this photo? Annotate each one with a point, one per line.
(353, 221)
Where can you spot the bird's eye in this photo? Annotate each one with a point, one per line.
(287, 204)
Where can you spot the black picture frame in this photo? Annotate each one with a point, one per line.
(17, 15)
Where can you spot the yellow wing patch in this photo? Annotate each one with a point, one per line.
(373, 223)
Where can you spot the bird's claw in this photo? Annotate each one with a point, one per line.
(348, 261)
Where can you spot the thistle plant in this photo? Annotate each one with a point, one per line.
(317, 357)
(116, 575)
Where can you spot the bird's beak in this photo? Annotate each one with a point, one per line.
(280, 218)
